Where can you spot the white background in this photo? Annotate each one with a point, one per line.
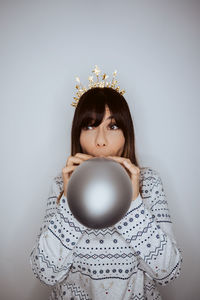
(44, 45)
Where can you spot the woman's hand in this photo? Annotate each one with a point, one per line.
(72, 163)
(133, 171)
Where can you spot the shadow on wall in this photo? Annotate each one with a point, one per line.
(39, 291)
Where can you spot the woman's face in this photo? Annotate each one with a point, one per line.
(106, 139)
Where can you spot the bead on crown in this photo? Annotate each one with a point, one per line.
(81, 89)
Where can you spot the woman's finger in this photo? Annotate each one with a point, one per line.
(133, 169)
(72, 159)
(127, 163)
(68, 169)
(83, 156)
(119, 159)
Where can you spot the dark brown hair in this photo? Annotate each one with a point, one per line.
(91, 107)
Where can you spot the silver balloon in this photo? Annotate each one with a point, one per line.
(99, 192)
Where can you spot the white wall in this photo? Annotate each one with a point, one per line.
(44, 45)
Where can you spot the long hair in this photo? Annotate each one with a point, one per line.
(91, 107)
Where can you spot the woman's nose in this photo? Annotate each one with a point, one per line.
(101, 139)
(100, 144)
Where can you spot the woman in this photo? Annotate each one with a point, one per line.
(127, 260)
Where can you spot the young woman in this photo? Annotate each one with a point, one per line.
(127, 260)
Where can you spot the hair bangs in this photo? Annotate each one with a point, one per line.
(93, 111)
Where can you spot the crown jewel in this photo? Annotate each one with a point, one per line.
(81, 89)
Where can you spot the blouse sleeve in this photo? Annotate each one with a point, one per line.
(52, 255)
(147, 227)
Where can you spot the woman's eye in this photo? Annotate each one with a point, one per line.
(86, 127)
(111, 126)
(114, 125)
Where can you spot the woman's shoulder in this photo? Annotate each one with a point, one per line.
(149, 178)
(147, 172)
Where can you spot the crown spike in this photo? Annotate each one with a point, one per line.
(81, 89)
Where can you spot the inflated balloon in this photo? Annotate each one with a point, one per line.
(99, 192)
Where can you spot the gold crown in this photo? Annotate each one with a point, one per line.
(81, 89)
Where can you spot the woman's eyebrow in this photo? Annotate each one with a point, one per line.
(111, 117)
